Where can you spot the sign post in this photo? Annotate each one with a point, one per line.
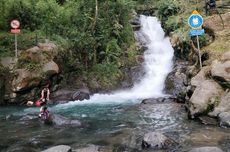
(15, 24)
(195, 21)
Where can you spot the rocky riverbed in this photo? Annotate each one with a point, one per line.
(112, 127)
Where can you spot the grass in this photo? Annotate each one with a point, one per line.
(26, 39)
(220, 45)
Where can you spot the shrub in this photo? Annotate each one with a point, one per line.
(167, 8)
(107, 74)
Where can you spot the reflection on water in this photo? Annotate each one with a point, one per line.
(109, 125)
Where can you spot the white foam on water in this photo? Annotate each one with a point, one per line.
(158, 63)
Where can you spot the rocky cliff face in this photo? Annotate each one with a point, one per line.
(33, 68)
(211, 95)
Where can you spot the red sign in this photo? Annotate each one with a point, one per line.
(15, 31)
(15, 24)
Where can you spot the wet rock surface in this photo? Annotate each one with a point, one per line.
(208, 120)
(156, 140)
(90, 148)
(59, 148)
(65, 95)
(61, 121)
(159, 100)
(21, 149)
(206, 149)
(224, 119)
(132, 75)
(177, 81)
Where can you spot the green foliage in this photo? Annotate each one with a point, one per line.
(112, 52)
(106, 74)
(31, 66)
(24, 61)
(167, 8)
(173, 23)
(26, 39)
(72, 25)
(6, 44)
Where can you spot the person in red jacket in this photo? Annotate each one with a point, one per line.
(45, 96)
(37, 103)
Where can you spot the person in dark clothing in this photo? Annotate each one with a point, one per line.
(44, 113)
(210, 5)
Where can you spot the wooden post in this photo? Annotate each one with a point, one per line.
(198, 46)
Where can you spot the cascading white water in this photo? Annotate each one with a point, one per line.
(158, 63)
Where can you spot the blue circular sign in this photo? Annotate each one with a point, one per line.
(195, 21)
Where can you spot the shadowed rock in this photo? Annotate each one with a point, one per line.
(81, 95)
(64, 96)
(208, 120)
(177, 81)
(159, 100)
(224, 118)
(206, 149)
(156, 140)
(60, 121)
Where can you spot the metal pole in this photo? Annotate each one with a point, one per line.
(16, 45)
(198, 46)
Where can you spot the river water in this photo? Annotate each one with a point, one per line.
(116, 120)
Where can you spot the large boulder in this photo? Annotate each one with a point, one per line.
(177, 81)
(204, 96)
(34, 64)
(8, 62)
(64, 95)
(132, 75)
(49, 48)
(59, 148)
(206, 149)
(50, 68)
(223, 104)
(221, 70)
(34, 67)
(33, 54)
(25, 79)
(81, 94)
(156, 140)
(201, 76)
(224, 119)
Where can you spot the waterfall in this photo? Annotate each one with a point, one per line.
(157, 64)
